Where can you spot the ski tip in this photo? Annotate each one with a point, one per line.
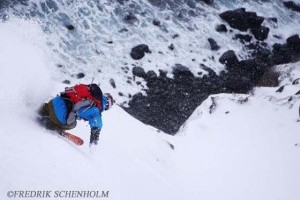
(79, 142)
(73, 138)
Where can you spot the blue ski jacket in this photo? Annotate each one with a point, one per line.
(90, 113)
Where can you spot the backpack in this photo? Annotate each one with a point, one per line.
(81, 92)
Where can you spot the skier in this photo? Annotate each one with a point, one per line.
(79, 102)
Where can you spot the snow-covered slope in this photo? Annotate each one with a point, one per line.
(32, 158)
(242, 147)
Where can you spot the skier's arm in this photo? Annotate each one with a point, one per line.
(96, 125)
(95, 121)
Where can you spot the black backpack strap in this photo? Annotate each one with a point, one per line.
(95, 91)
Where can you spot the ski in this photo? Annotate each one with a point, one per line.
(72, 138)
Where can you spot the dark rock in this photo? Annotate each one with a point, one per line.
(162, 73)
(175, 36)
(229, 59)
(110, 42)
(211, 73)
(167, 99)
(171, 146)
(138, 52)
(296, 81)
(297, 93)
(130, 18)
(263, 44)
(286, 53)
(293, 43)
(242, 75)
(221, 28)
(292, 6)
(261, 53)
(260, 33)
(151, 75)
(171, 47)
(170, 101)
(123, 30)
(59, 66)
(180, 70)
(138, 71)
(121, 94)
(251, 69)
(70, 27)
(156, 22)
(281, 54)
(112, 83)
(243, 38)
(280, 89)
(277, 36)
(213, 44)
(67, 82)
(122, 2)
(206, 1)
(242, 20)
(80, 75)
(238, 84)
(273, 19)
(269, 79)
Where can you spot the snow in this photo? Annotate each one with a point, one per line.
(244, 147)
(35, 159)
(249, 153)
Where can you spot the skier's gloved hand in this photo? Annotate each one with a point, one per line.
(94, 136)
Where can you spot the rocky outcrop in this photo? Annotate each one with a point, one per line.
(213, 44)
(292, 6)
(288, 52)
(221, 28)
(260, 33)
(242, 20)
(170, 101)
(138, 52)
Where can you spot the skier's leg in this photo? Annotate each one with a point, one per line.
(43, 110)
(48, 124)
(55, 121)
(44, 118)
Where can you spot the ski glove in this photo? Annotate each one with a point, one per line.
(94, 136)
